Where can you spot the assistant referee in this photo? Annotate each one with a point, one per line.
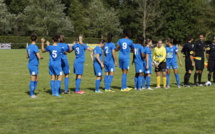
(210, 55)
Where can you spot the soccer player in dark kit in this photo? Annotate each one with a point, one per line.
(189, 61)
(210, 55)
(199, 48)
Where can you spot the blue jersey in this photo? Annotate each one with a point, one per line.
(79, 51)
(108, 48)
(125, 47)
(97, 50)
(65, 47)
(55, 53)
(171, 54)
(149, 52)
(32, 50)
(138, 50)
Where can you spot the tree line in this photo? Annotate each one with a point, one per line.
(95, 18)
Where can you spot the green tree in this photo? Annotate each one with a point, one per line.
(17, 6)
(102, 20)
(46, 17)
(6, 19)
(78, 16)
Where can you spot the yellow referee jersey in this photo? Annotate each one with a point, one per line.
(159, 54)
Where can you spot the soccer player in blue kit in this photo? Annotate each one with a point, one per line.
(96, 56)
(124, 45)
(65, 63)
(109, 62)
(79, 49)
(55, 69)
(138, 59)
(148, 63)
(171, 61)
(33, 55)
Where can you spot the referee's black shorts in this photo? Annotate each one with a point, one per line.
(161, 67)
(199, 64)
(211, 65)
(188, 64)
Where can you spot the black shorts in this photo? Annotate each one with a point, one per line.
(188, 64)
(211, 65)
(199, 64)
(161, 67)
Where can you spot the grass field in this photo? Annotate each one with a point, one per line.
(181, 111)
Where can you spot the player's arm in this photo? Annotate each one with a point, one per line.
(39, 56)
(192, 57)
(147, 61)
(91, 56)
(90, 49)
(179, 58)
(133, 59)
(98, 59)
(207, 53)
(70, 47)
(42, 45)
(27, 56)
(114, 57)
(117, 47)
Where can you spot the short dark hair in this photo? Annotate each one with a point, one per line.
(127, 33)
(140, 39)
(55, 38)
(148, 40)
(33, 37)
(170, 40)
(201, 34)
(102, 41)
(109, 37)
(189, 37)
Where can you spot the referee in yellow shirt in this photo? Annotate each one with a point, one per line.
(159, 57)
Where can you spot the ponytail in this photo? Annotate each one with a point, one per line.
(80, 39)
(61, 38)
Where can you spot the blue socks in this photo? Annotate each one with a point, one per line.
(77, 83)
(135, 82)
(124, 79)
(66, 83)
(148, 80)
(31, 88)
(110, 79)
(58, 83)
(177, 79)
(52, 85)
(143, 81)
(139, 78)
(167, 79)
(97, 84)
(106, 81)
(35, 85)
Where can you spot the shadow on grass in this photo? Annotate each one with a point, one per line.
(116, 87)
(28, 93)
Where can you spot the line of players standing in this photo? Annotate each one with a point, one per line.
(162, 59)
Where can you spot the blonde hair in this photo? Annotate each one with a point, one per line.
(80, 39)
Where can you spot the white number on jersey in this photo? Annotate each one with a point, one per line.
(77, 50)
(29, 52)
(136, 51)
(124, 45)
(106, 50)
(54, 53)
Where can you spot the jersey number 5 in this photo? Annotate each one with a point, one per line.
(54, 53)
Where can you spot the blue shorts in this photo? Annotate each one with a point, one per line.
(55, 69)
(78, 67)
(149, 70)
(109, 67)
(139, 67)
(33, 70)
(174, 65)
(65, 66)
(124, 63)
(97, 69)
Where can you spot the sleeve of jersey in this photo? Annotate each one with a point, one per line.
(191, 50)
(85, 46)
(67, 49)
(176, 49)
(163, 55)
(208, 49)
(143, 50)
(132, 44)
(154, 54)
(118, 42)
(36, 50)
(113, 46)
(47, 49)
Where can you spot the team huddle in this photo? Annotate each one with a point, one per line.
(162, 59)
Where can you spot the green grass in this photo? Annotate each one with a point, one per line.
(181, 111)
